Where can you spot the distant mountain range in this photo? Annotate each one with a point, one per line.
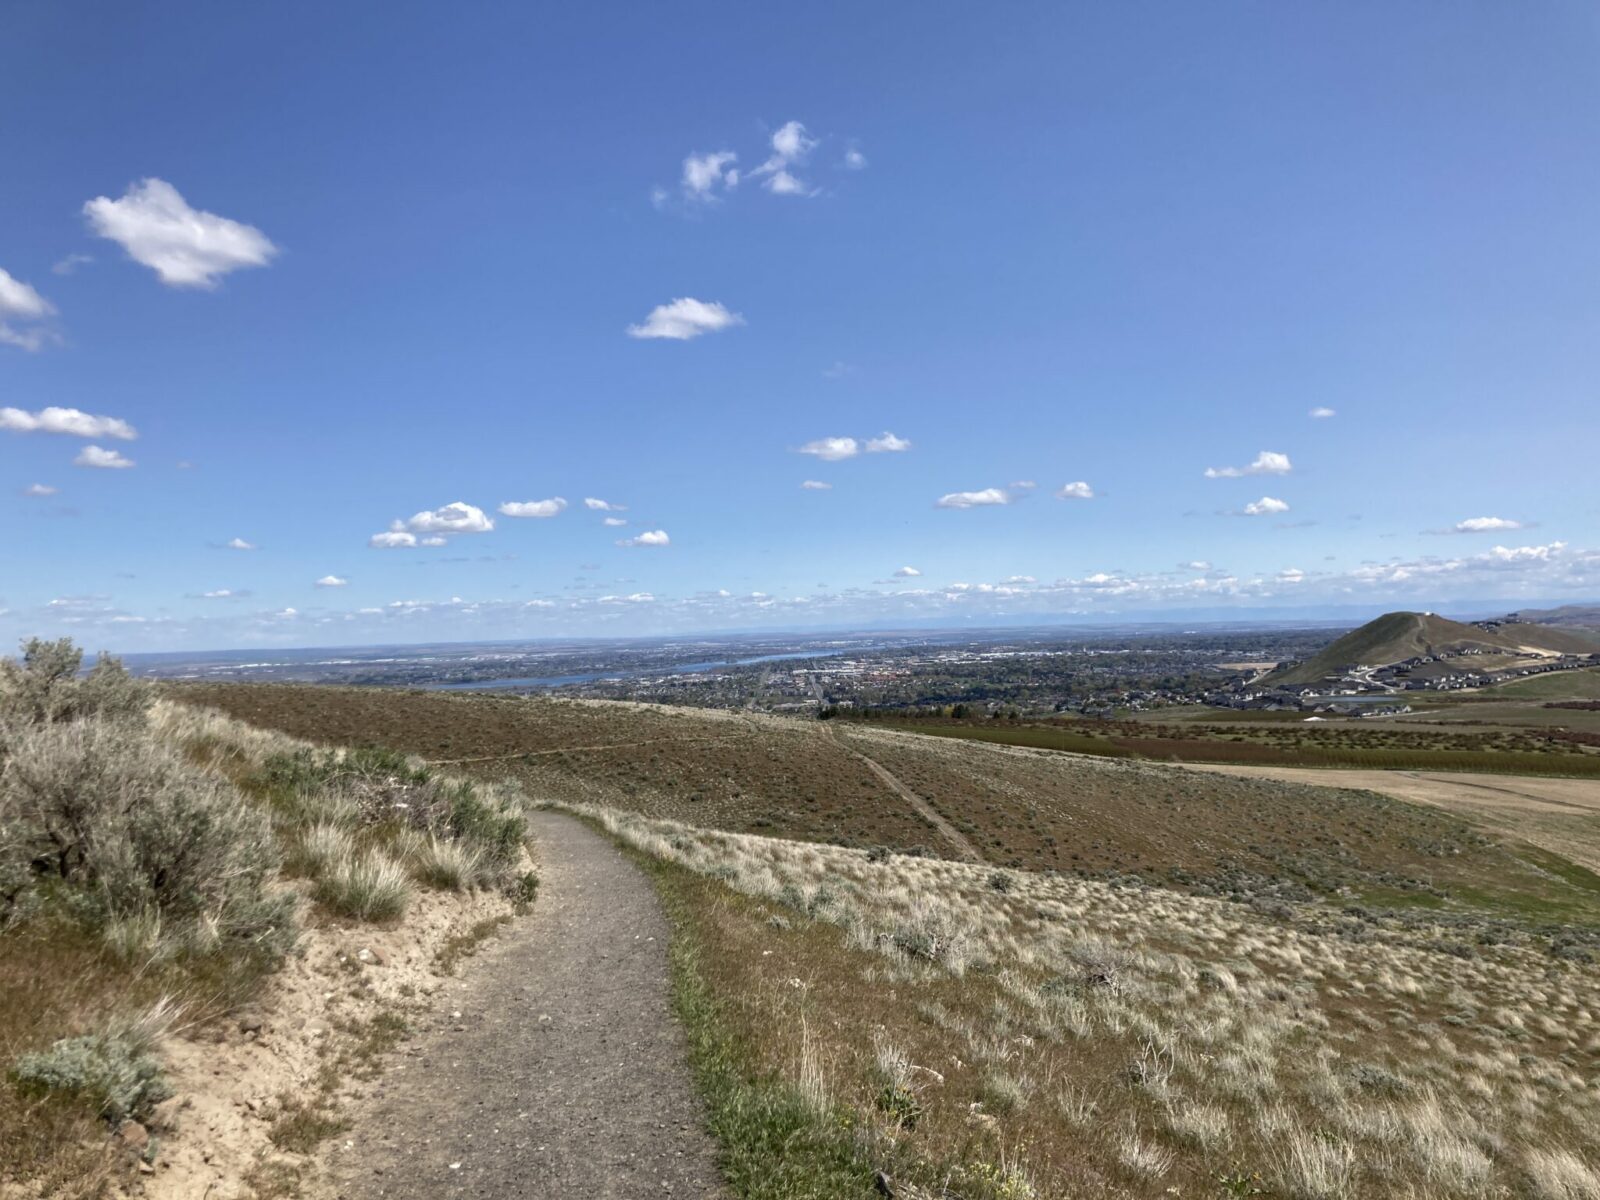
(1397, 636)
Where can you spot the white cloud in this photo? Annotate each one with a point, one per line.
(437, 539)
(533, 508)
(613, 522)
(791, 146)
(887, 443)
(457, 517)
(1526, 553)
(832, 449)
(685, 318)
(69, 421)
(1291, 575)
(1486, 525)
(331, 581)
(222, 594)
(907, 573)
(1268, 462)
(980, 499)
(1075, 491)
(603, 505)
(1019, 579)
(71, 263)
(240, 544)
(39, 489)
(652, 537)
(94, 456)
(1266, 506)
(703, 174)
(184, 246)
(393, 539)
(854, 160)
(20, 302)
(816, 485)
(1322, 414)
(1194, 565)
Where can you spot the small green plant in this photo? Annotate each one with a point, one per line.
(112, 1071)
(900, 1104)
(1239, 1182)
(525, 888)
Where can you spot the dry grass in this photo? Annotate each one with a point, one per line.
(1078, 1038)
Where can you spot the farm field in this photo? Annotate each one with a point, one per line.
(1339, 743)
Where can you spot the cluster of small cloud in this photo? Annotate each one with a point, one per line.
(1268, 462)
(708, 178)
(1546, 570)
(995, 496)
(837, 449)
(433, 527)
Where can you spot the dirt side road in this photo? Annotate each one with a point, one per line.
(1559, 815)
(557, 1070)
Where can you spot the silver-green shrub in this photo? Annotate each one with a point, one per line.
(98, 816)
(112, 1071)
(44, 687)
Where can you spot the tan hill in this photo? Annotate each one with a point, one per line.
(1397, 636)
(1585, 617)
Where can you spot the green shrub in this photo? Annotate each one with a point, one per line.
(44, 688)
(114, 1072)
(99, 819)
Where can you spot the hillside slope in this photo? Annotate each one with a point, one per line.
(1396, 636)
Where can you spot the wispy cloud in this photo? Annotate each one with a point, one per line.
(594, 505)
(108, 460)
(1485, 525)
(69, 264)
(184, 246)
(685, 318)
(533, 508)
(815, 485)
(39, 489)
(1268, 462)
(239, 543)
(331, 581)
(23, 313)
(979, 499)
(832, 449)
(907, 573)
(791, 147)
(1322, 414)
(887, 443)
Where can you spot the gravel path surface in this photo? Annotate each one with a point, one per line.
(556, 1069)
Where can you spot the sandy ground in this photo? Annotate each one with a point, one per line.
(229, 1078)
(1559, 815)
(556, 1069)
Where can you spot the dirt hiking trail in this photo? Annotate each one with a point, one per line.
(555, 1068)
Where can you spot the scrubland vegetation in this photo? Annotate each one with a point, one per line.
(979, 1033)
(157, 865)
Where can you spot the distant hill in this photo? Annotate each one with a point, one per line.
(1396, 636)
(1568, 616)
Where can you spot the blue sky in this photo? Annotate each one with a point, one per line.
(337, 267)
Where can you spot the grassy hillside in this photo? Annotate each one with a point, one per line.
(159, 868)
(1160, 982)
(1022, 809)
(1400, 635)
